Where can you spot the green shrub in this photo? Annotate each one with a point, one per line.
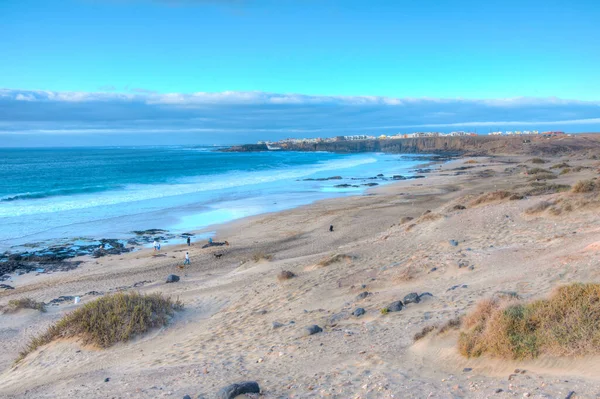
(15, 305)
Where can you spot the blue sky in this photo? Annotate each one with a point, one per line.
(329, 53)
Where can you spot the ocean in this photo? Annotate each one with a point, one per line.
(52, 195)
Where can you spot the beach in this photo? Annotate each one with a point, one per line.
(439, 237)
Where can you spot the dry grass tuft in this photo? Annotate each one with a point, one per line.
(565, 324)
(565, 171)
(428, 216)
(451, 324)
(539, 207)
(407, 274)
(334, 259)
(545, 188)
(285, 275)
(585, 186)
(537, 160)
(423, 333)
(491, 197)
(15, 305)
(257, 256)
(110, 319)
(560, 165)
(535, 171)
(471, 161)
(406, 219)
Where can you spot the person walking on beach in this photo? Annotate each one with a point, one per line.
(187, 259)
(189, 240)
(155, 245)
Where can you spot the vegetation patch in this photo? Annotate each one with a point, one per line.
(560, 165)
(110, 319)
(257, 256)
(537, 160)
(565, 324)
(543, 176)
(545, 188)
(451, 324)
(15, 305)
(335, 258)
(492, 197)
(585, 186)
(406, 219)
(539, 207)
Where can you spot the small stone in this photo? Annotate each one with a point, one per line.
(499, 390)
(358, 312)
(234, 390)
(570, 395)
(172, 278)
(311, 330)
(433, 269)
(467, 369)
(471, 267)
(106, 379)
(277, 325)
(413, 297)
(454, 243)
(425, 295)
(526, 395)
(187, 397)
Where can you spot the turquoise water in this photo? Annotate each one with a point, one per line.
(49, 194)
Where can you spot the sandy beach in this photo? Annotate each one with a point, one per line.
(241, 323)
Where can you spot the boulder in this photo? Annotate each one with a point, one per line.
(395, 306)
(413, 297)
(234, 390)
(425, 295)
(358, 312)
(172, 278)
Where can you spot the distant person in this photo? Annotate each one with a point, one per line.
(330, 227)
(209, 240)
(189, 241)
(159, 246)
(155, 244)
(187, 259)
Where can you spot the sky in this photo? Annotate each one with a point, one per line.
(87, 72)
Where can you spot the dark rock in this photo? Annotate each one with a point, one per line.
(570, 395)
(362, 295)
(433, 269)
(467, 369)
(234, 390)
(187, 397)
(459, 207)
(380, 175)
(413, 297)
(172, 278)
(395, 306)
(6, 287)
(358, 312)
(424, 295)
(61, 299)
(454, 243)
(106, 379)
(346, 185)
(471, 267)
(311, 330)
(499, 390)
(277, 325)
(370, 184)
(398, 177)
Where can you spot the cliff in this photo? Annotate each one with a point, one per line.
(467, 145)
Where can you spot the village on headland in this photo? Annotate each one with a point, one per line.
(358, 137)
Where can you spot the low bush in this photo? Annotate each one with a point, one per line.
(257, 256)
(334, 259)
(491, 197)
(585, 186)
(110, 319)
(565, 324)
(537, 160)
(560, 165)
(15, 305)
(544, 188)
